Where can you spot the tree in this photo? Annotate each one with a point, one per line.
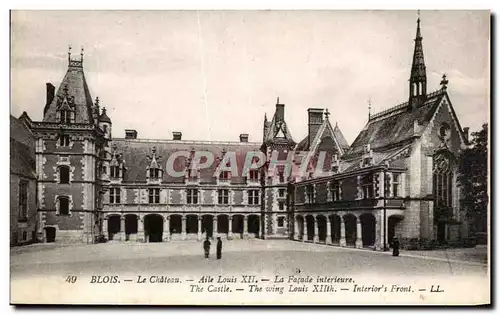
(473, 180)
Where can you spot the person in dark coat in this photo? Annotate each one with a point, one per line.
(219, 248)
(395, 246)
(206, 247)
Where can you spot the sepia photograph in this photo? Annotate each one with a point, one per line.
(237, 157)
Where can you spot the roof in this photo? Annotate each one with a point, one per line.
(395, 125)
(77, 93)
(104, 117)
(22, 149)
(136, 151)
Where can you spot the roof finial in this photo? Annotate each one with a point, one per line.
(278, 100)
(418, 15)
(81, 55)
(69, 53)
(369, 108)
(104, 110)
(444, 82)
(97, 101)
(327, 113)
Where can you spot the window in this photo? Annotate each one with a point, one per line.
(63, 206)
(310, 194)
(114, 171)
(23, 200)
(253, 197)
(223, 195)
(224, 175)
(281, 177)
(192, 196)
(154, 195)
(25, 235)
(281, 205)
(253, 175)
(104, 169)
(281, 192)
(443, 181)
(154, 173)
(65, 117)
(395, 185)
(281, 222)
(63, 174)
(64, 140)
(114, 195)
(367, 186)
(335, 190)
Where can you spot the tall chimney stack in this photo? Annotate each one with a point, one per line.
(177, 135)
(244, 137)
(315, 120)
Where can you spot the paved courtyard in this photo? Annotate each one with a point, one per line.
(270, 257)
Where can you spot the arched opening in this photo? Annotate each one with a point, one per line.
(207, 225)
(63, 174)
(113, 227)
(443, 173)
(191, 224)
(253, 225)
(335, 222)
(350, 229)
(175, 224)
(392, 225)
(222, 224)
(368, 229)
(321, 228)
(130, 226)
(153, 228)
(238, 226)
(50, 234)
(300, 227)
(310, 227)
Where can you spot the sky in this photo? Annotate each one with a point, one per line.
(212, 75)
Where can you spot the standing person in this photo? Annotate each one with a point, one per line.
(206, 247)
(395, 246)
(219, 248)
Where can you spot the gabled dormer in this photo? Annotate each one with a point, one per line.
(277, 130)
(191, 170)
(224, 176)
(65, 107)
(367, 158)
(117, 167)
(154, 171)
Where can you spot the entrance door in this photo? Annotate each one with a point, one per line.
(441, 232)
(50, 234)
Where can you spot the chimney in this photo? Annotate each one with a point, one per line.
(50, 93)
(130, 134)
(244, 137)
(177, 135)
(280, 112)
(315, 121)
(466, 133)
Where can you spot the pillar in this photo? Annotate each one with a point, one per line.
(122, 229)
(230, 227)
(183, 228)
(199, 228)
(359, 236)
(216, 228)
(140, 229)
(104, 228)
(245, 227)
(328, 231)
(316, 230)
(304, 234)
(166, 229)
(342, 232)
(295, 229)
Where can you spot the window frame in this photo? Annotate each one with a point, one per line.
(154, 195)
(66, 199)
(253, 197)
(192, 196)
(66, 168)
(223, 196)
(115, 195)
(23, 200)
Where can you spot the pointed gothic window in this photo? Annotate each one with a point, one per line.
(443, 180)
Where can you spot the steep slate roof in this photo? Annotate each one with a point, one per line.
(135, 152)
(395, 126)
(76, 85)
(326, 127)
(22, 149)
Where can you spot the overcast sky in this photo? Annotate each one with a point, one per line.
(213, 74)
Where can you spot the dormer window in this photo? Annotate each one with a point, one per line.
(253, 175)
(114, 171)
(224, 175)
(65, 117)
(64, 141)
(154, 173)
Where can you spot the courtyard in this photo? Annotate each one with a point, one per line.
(45, 269)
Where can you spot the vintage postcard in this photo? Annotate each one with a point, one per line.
(250, 157)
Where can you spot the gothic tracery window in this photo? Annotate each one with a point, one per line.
(443, 180)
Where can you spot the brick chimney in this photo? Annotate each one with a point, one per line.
(280, 112)
(315, 120)
(177, 135)
(244, 137)
(466, 133)
(130, 134)
(50, 93)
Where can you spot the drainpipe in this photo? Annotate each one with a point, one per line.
(385, 210)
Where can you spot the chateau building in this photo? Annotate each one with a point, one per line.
(396, 179)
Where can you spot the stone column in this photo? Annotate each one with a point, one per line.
(316, 230)
(166, 229)
(295, 229)
(359, 236)
(216, 228)
(122, 229)
(230, 227)
(245, 227)
(183, 228)
(328, 231)
(140, 229)
(342, 232)
(199, 228)
(105, 228)
(304, 234)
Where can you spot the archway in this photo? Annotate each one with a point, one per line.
(310, 227)
(368, 229)
(113, 226)
(253, 225)
(130, 225)
(50, 234)
(207, 225)
(222, 224)
(175, 224)
(153, 227)
(321, 219)
(392, 224)
(191, 224)
(350, 229)
(300, 227)
(335, 222)
(237, 226)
